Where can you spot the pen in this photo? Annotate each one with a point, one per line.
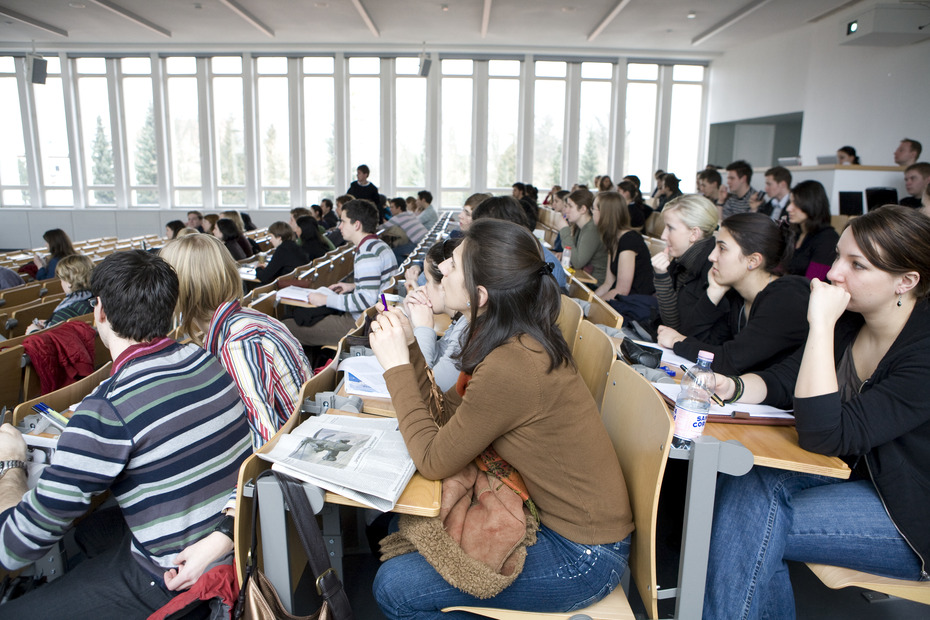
(717, 400)
(56, 418)
(384, 302)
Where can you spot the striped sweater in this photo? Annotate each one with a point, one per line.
(266, 362)
(375, 264)
(165, 433)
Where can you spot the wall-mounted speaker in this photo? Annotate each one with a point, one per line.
(36, 68)
(425, 63)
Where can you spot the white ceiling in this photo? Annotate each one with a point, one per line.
(642, 28)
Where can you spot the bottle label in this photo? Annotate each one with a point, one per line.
(689, 424)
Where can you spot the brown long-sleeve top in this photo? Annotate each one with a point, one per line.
(544, 424)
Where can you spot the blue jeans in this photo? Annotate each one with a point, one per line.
(769, 516)
(559, 575)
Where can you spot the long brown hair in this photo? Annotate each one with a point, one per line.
(614, 218)
(896, 239)
(59, 244)
(523, 296)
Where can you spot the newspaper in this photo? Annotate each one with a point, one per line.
(364, 459)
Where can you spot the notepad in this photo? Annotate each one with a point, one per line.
(670, 392)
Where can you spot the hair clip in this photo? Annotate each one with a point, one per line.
(546, 269)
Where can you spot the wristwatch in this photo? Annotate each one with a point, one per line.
(5, 466)
(227, 526)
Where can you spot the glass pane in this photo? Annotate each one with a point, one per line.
(7, 65)
(15, 197)
(688, 73)
(12, 147)
(452, 200)
(232, 197)
(184, 128)
(314, 196)
(365, 66)
(504, 68)
(684, 133)
(54, 64)
(276, 197)
(274, 133)
(455, 66)
(95, 135)
(188, 197)
(319, 119)
(92, 65)
(411, 132)
(144, 197)
(548, 133)
(136, 66)
(456, 132)
(548, 68)
(59, 198)
(275, 65)
(319, 64)
(503, 118)
(140, 138)
(407, 66)
(365, 125)
(181, 65)
(226, 64)
(229, 129)
(597, 70)
(635, 71)
(640, 132)
(53, 134)
(594, 130)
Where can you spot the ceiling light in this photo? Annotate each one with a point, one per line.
(852, 27)
(77, 5)
(445, 8)
(691, 14)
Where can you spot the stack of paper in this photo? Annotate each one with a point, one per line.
(364, 376)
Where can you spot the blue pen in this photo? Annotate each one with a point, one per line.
(668, 371)
(53, 416)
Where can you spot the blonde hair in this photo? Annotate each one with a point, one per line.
(696, 212)
(185, 232)
(208, 276)
(236, 218)
(75, 270)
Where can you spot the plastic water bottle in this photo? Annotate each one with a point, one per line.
(693, 402)
(567, 258)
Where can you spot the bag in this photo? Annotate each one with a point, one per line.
(637, 354)
(258, 599)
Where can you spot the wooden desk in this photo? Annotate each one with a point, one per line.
(777, 446)
(375, 406)
(583, 276)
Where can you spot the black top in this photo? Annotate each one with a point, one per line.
(286, 257)
(366, 192)
(639, 211)
(235, 249)
(312, 248)
(776, 327)
(818, 248)
(330, 220)
(642, 272)
(888, 421)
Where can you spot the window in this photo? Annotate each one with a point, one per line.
(13, 169)
(548, 123)
(456, 130)
(503, 122)
(684, 135)
(229, 130)
(53, 137)
(641, 103)
(594, 121)
(184, 130)
(319, 128)
(93, 95)
(139, 119)
(365, 116)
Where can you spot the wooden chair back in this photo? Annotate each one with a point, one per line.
(655, 224)
(594, 353)
(602, 313)
(63, 398)
(578, 290)
(570, 317)
(23, 317)
(11, 376)
(265, 304)
(18, 295)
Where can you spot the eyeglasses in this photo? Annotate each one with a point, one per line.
(93, 302)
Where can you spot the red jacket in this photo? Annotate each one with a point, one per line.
(62, 354)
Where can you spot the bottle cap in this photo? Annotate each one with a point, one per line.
(707, 356)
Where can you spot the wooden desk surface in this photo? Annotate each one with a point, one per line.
(375, 406)
(583, 276)
(777, 446)
(293, 302)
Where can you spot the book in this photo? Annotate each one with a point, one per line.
(364, 459)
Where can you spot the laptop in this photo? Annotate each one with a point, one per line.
(826, 160)
(876, 197)
(789, 161)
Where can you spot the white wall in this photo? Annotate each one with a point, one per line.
(864, 96)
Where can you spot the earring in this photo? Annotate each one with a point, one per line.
(468, 303)
(899, 301)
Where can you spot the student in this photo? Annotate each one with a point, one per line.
(9, 278)
(74, 272)
(374, 266)
(765, 310)
(518, 392)
(361, 188)
(249, 247)
(588, 251)
(507, 208)
(59, 246)
(172, 229)
(165, 433)
(628, 286)
(708, 185)
(209, 222)
(313, 243)
(668, 190)
(846, 156)
(408, 224)
(639, 211)
(681, 269)
(426, 212)
(815, 248)
(287, 255)
(425, 302)
(465, 216)
(859, 389)
(195, 220)
(227, 232)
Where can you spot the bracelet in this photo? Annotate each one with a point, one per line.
(738, 391)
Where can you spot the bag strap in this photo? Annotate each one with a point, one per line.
(328, 584)
(239, 610)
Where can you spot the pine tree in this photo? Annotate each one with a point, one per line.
(147, 159)
(589, 167)
(274, 171)
(102, 158)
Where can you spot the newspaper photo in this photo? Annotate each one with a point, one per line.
(364, 459)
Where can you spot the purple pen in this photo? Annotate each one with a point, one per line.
(384, 302)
